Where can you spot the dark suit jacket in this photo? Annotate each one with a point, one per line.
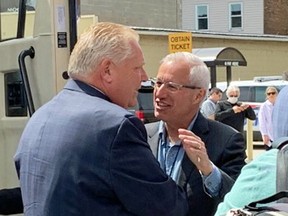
(225, 147)
(82, 155)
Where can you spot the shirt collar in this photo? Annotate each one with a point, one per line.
(162, 129)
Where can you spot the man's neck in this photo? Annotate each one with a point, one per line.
(172, 132)
(172, 127)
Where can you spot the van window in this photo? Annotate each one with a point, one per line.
(246, 93)
(145, 100)
(260, 94)
(253, 94)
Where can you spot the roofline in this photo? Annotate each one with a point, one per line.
(201, 34)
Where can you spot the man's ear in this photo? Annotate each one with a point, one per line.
(106, 70)
(201, 94)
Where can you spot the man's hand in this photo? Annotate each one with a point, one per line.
(240, 108)
(196, 151)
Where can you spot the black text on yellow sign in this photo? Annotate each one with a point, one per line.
(180, 42)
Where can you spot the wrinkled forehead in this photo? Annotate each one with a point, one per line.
(174, 70)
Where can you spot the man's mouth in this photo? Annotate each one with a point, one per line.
(161, 105)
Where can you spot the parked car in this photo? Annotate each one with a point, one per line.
(252, 92)
(145, 107)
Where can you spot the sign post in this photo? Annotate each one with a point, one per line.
(180, 42)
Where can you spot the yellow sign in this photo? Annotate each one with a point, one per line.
(180, 42)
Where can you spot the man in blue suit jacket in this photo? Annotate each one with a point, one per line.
(201, 155)
(83, 153)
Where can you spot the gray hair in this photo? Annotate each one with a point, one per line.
(100, 41)
(232, 88)
(199, 73)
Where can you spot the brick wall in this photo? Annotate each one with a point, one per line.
(276, 17)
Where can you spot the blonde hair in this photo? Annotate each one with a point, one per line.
(100, 41)
(271, 88)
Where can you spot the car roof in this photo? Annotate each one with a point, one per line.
(257, 81)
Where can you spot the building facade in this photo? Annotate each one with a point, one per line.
(236, 16)
(229, 16)
(148, 13)
(232, 16)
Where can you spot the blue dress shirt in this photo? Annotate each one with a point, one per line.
(170, 157)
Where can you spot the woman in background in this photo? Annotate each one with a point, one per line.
(265, 116)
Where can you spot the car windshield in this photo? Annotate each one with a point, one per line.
(145, 100)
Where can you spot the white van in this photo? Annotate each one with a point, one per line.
(253, 93)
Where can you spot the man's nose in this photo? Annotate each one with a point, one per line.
(144, 76)
(161, 90)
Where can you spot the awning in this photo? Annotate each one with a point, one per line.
(220, 56)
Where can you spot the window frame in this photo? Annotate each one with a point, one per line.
(197, 18)
(235, 16)
(21, 19)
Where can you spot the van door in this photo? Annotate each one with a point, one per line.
(36, 40)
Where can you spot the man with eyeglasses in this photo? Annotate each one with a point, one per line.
(201, 155)
(232, 112)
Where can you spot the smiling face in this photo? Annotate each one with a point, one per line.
(176, 107)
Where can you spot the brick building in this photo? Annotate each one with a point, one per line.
(275, 17)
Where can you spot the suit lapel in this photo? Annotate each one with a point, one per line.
(200, 128)
(187, 167)
(153, 137)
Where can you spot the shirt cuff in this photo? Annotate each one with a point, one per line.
(212, 182)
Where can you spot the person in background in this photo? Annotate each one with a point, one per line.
(285, 75)
(258, 178)
(209, 105)
(83, 153)
(265, 116)
(201, 155)
(232, 112)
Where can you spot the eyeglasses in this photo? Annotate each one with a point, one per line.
(171, 86)
(271, 93)
(233, 95)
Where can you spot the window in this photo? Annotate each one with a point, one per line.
(235, 14)
(260, 94)
(201, 17)
(246, 93)
(15, 22)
